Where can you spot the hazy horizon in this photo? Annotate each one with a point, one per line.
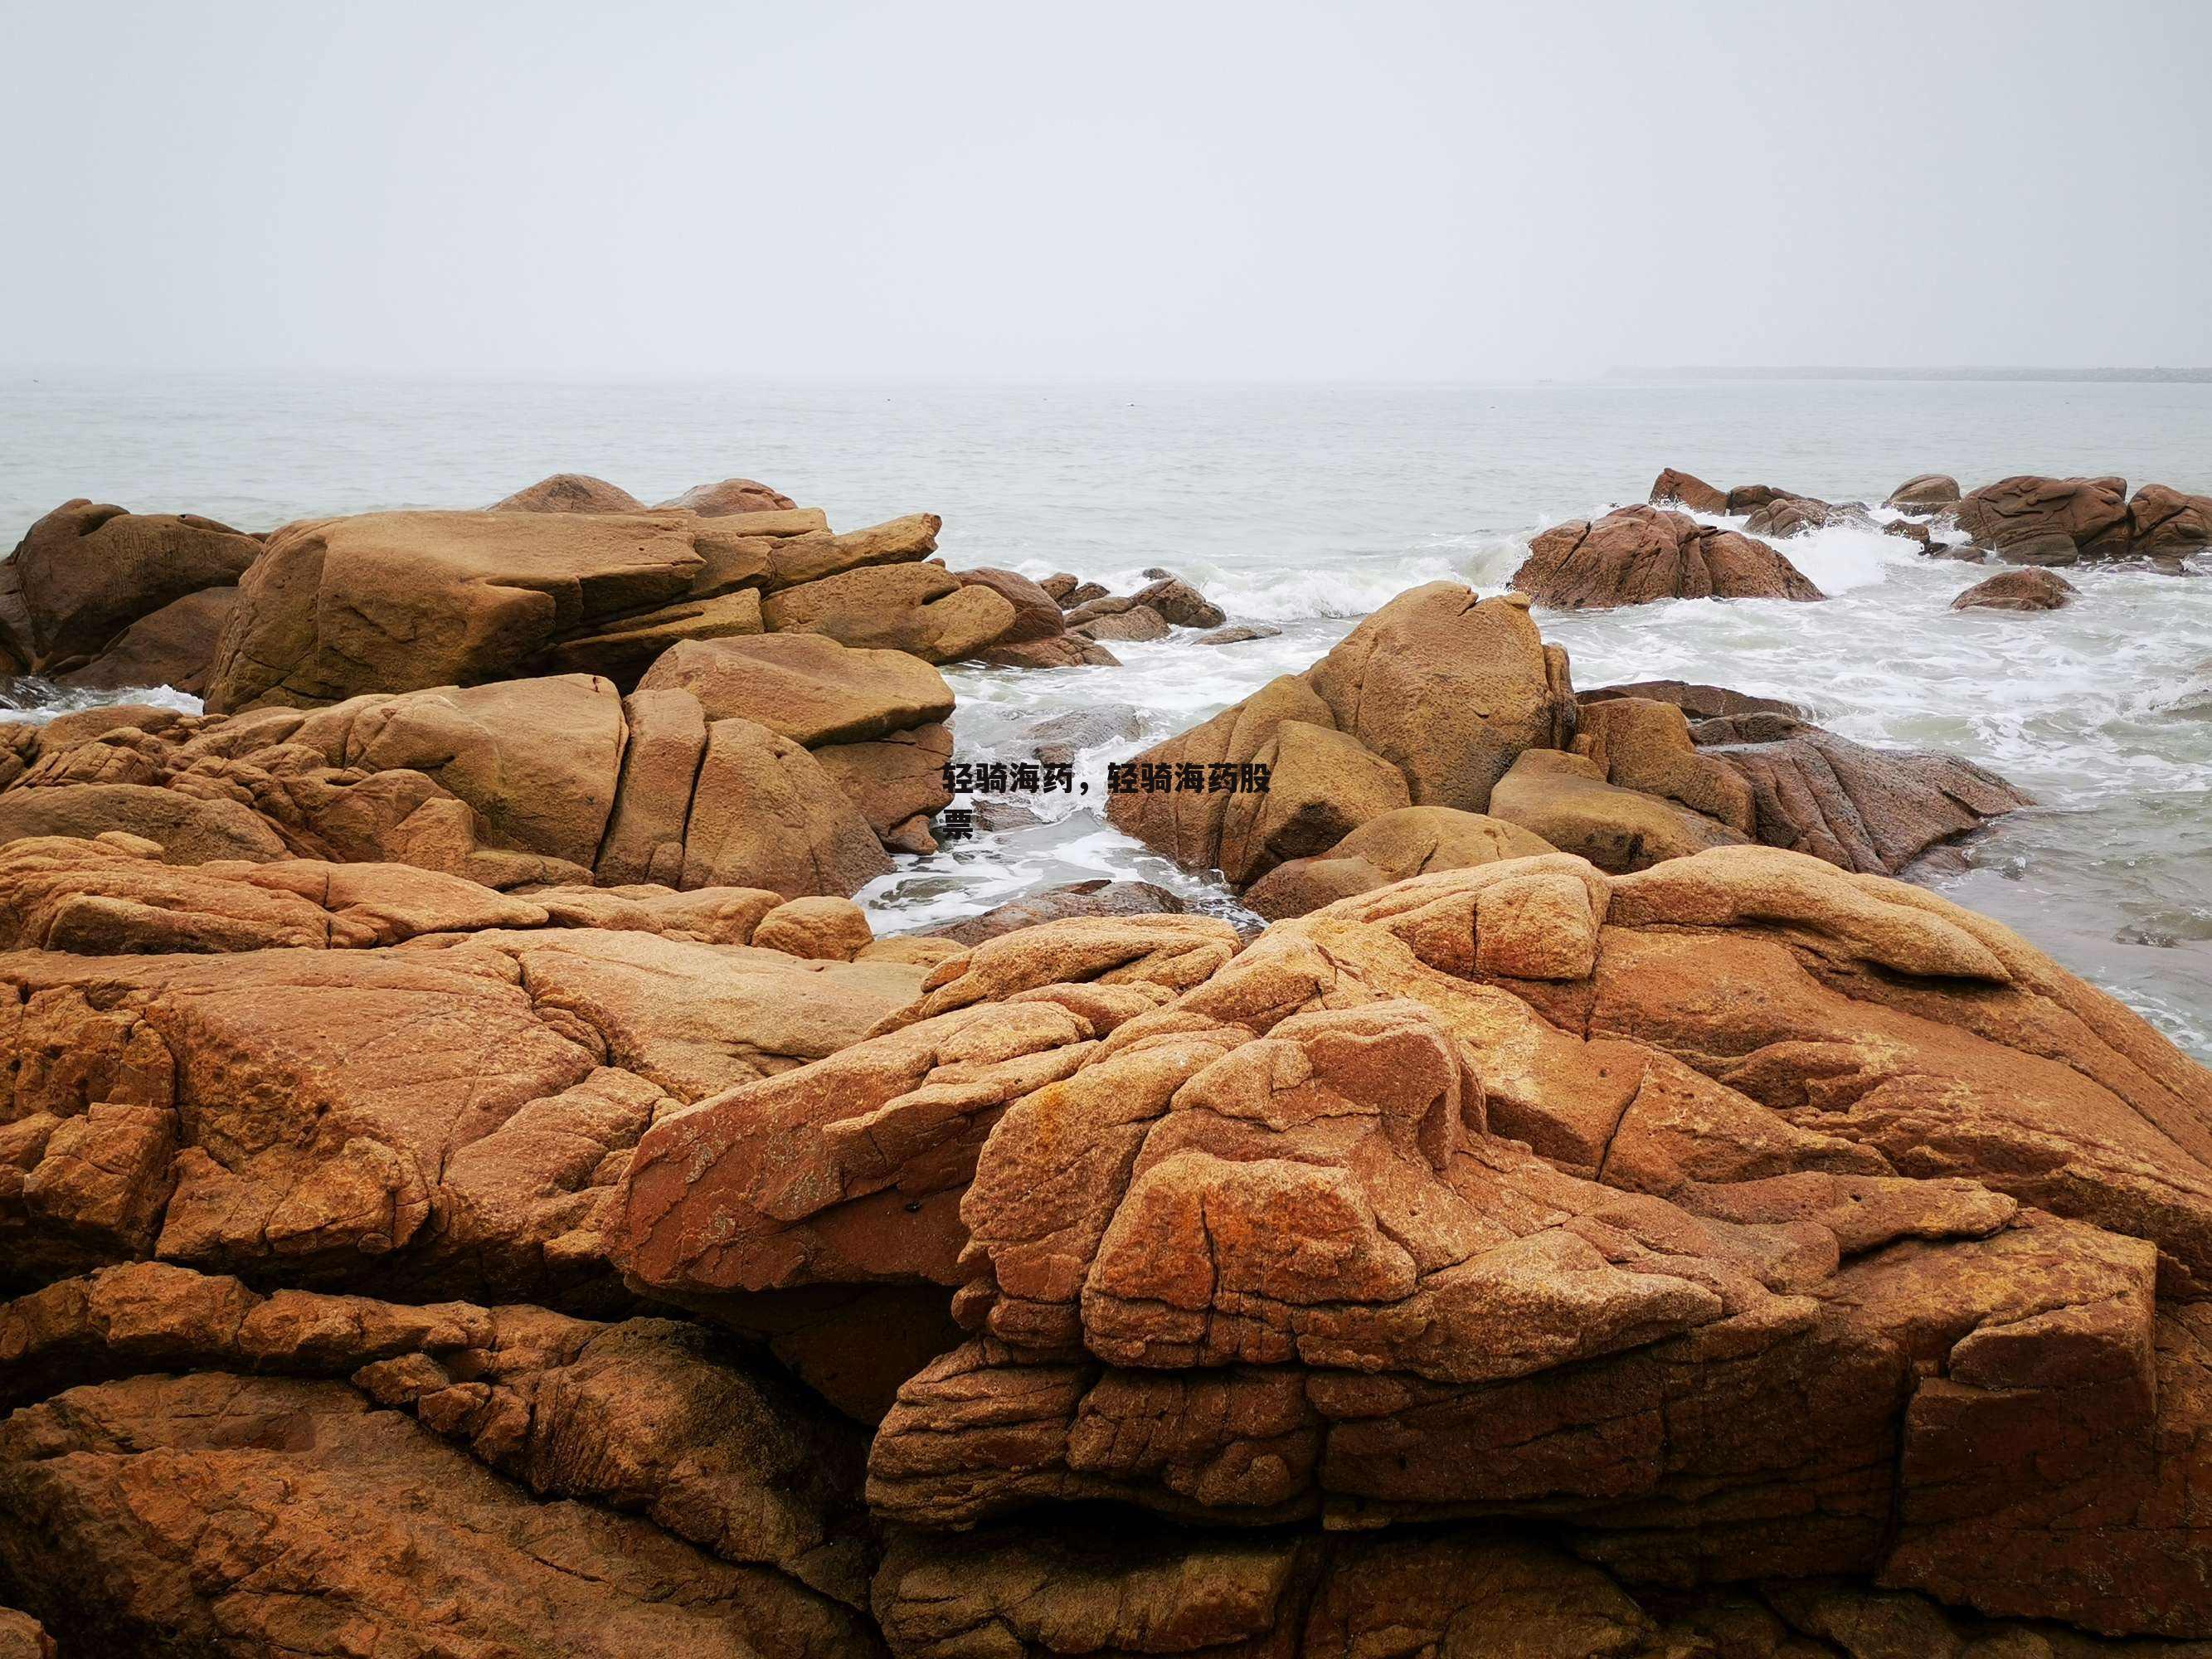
(1417, 193)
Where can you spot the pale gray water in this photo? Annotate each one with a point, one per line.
(1310, 505)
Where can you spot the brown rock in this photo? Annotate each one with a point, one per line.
(2023, 517)
(170, 646)
(1099, 897)
(1067, 651)
(1645, 744)
(2018, 590)
(1673, 488)
(1239, 634)
(659, 768)
(569, 492)
(810, 558)
(819, 929)
(1180, 603)
(1037, 612)
(1565, 800)
(1080, 595)
(188, 830)
(84, 574)
(806, 687)
(1749, 498)
(895, 781)
(1409, 842)
(1060, 585)
(1133, 623)
(1911, 530)
(1635, 555)
(921, 609)
(731, 495)
(2166, 523)
(1794, 515)
(764, 813)
(1924, 492)
(23, 1637)
(1699, 702)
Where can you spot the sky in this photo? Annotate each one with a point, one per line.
(1372, 191)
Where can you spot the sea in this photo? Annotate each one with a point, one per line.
(1306, 506)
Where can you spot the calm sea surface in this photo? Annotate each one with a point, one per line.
(1308, 506)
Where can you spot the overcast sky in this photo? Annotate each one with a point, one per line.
(1445, 191)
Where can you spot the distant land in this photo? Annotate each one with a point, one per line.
(2191, 376)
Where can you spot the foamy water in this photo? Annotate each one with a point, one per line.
(1307, 507)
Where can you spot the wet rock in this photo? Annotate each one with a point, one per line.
(2023, 518)
(1793, 515)
(1924, 492)
(569, 492)
(2167, 523)
(2019, 590)
(1060, 585)
(1747, 499)
(1082, 594)
(1057, 739)
(1066, 651)
(1409, 842)
(729, 496)
(1673, 488)
(1130, 622)
(1699, 702)
(1098, 897)
(1913, 531)
(1238, 634)
(1636, 555)
(1183, 605)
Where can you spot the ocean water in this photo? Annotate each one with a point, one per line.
(1307, 505)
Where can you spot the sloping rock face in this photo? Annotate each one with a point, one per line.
(1674, 489)
(391, 602)
(173, 645)
(339, 1473)
(569, 492)
(1636, 555)
(1426, 703)
(84, 576)
(1924, 492)
(1410, 842)
(558, 779)
(731, 495)
(1737, 1220)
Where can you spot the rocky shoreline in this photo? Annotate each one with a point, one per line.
(473, 1183)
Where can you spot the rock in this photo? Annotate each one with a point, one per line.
(569, 492)
(1911, 530)
(644, 840)
(921, 609)
(2018, 590)
(1439, 688)
(1099, 897)
(1037, 612)
(1673, 488)
(2166, 523)
(1746, 498)
(1565, 800)
(1067, 651)
(1180, 603)
(638, 1477)
(2022, 519)
(731, 495)
(1057, 739)
(1699, 702)
(85, 574)
(1646, 745)
(1874, 810)
(23, 1637)
(1791, 515)
(1409, 842)
(765, 813)
(810, 558)
(188, 830)
(1924, 492)
(821, 929)
(171, 646)
(443, 1121)
(1636, 555)
(1080, 595)
(1239, 634)
(388, 602)
(897, 782)
(1060, 585)
(806, 687)
(1135, 622)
